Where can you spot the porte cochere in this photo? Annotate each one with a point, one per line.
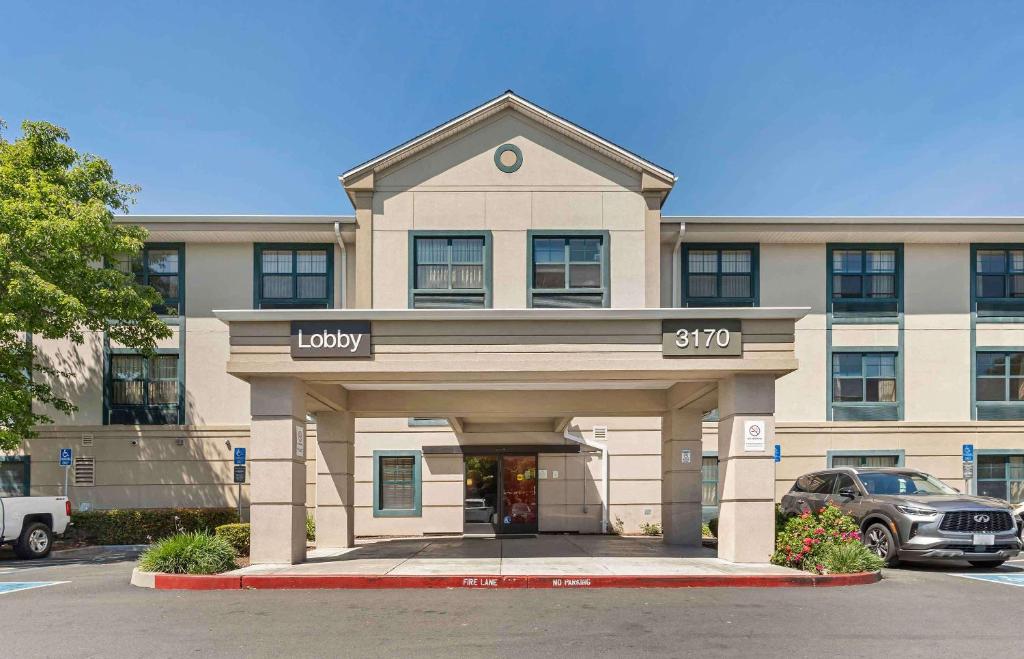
(500, 373)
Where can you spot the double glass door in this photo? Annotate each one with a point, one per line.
(500, 495)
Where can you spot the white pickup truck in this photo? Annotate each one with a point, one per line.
(29, 523)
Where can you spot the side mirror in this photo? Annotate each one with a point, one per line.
(848, 493)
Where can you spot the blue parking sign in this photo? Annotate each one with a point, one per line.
(968, 452)
(239, 456)
(65, 457)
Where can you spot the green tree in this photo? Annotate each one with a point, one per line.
(59, 247)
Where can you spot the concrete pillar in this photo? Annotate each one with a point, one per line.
(277, 456)
(335, 480)
(746, 478)
(680, 479)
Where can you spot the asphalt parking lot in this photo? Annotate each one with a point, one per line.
(89, 610)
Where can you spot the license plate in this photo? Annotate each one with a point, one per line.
(984, 539)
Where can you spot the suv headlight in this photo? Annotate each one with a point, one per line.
(917, 512)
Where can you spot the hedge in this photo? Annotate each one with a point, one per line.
(145, 526)
(237, 536)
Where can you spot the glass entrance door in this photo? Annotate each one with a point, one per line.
(500, 495)
(480, 508)
(518, 494)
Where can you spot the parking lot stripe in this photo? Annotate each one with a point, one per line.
(1006, 579)
(14, 586)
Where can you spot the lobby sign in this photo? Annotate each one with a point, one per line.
(701, 338)
(754, 432)
(324, 338)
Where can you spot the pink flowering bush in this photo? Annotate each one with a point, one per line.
(806, 542)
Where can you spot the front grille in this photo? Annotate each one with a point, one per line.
(977, 521)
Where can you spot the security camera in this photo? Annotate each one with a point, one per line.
(135, 442)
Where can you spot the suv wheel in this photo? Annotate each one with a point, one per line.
(879, 540)
(35, 541)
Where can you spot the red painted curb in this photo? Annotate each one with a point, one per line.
(270, 581)
(196, 582)
(362, 582)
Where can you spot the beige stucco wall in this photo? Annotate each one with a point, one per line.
(794, 276)
(84, 384)
(211, 395)
(457, 186)
(569, 500)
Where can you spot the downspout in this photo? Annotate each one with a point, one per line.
(578, 437)
(677, 268)
(344, 264)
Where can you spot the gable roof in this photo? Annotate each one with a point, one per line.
(508, 100)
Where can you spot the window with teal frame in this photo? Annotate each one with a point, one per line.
(449, 270)
(865, 281)
(709, 480)
(868, 458)
(865, 386)
(999, 384)
(15, 475)
(997, 284)
(141, 390)
(568, 270)
(720, 275)
(294, 276)
(397, 484)
(1001, 476)
(161, 266)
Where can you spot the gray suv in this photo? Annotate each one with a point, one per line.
(906, 514)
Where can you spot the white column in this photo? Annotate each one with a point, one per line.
(278, 480)
(746, 478)
(335, 488)
(680, 477)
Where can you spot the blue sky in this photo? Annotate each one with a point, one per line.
(860, 108)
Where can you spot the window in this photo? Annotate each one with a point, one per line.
(143, 390)
(709, 481)
(865, 281)
(396, 484)
(15, 472)
(844, 482)
(294, 276)
(568, 271)
(161, 266)
(865, 459)
(719, 275)
(998, 280)
(822, 484)
(428, 421)
(999, 385)
(864, 386)
(449, 272)
(1001, 476)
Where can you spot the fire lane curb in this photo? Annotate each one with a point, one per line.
(548, 582)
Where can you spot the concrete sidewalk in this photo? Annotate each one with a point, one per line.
(551, 555)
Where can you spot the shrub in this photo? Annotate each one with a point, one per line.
(650, 528)
(189, 553)
(237, 536)
(780, 518)
(310, 528)
(705, 531)
(713, 526)
(847, 557)
(143, 526)
(805, 540)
